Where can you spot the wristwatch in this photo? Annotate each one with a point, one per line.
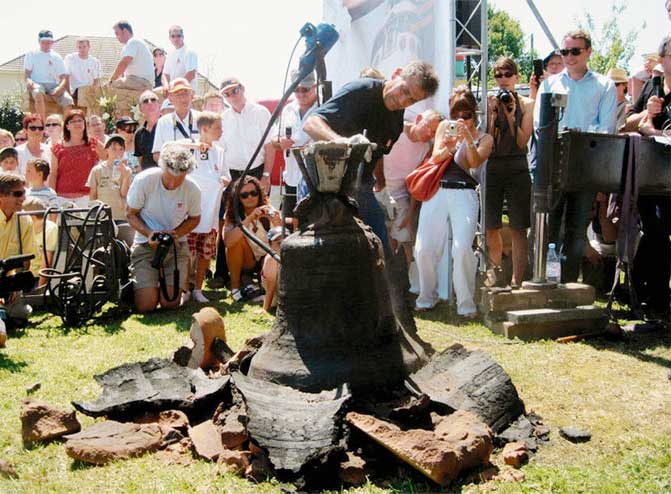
(266, 174)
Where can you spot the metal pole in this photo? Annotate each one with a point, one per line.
(544, 26)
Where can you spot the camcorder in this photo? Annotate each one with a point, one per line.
(13, 275)
(165, 241)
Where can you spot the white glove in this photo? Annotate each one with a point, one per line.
(387, 202)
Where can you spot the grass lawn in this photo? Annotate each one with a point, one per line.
(619, 390)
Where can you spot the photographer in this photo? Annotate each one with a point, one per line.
(162, 200)
(510, 123)
(12, 194)
(651, 113)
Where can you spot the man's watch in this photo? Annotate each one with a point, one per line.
(266, 174)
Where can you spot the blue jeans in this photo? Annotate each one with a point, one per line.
(577, 206)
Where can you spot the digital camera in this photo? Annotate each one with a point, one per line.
(165, 241)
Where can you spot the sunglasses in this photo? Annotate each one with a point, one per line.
(53, 124)
(21, 139)
(573, 51)
(232, 92)
(176, 35)
(507, 75)
(302, 90)
(252, 193)
(35, 127)
(149, 100)
(17, 193)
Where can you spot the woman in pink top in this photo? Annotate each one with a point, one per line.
(72, 160)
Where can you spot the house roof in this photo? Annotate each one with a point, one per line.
(105, 48)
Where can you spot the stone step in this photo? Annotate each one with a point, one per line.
(564, 296)
(554, 315)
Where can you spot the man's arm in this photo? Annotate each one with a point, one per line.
(186, 226)
(317, 128)
(121, 68)
(378, 173)
(136, 222)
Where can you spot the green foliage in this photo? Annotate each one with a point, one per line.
(11, 116)
(610, 46)
(506, 38)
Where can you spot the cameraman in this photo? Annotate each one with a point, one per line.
(510, 123)
(651, 113)
(12, 194)
(162, 200)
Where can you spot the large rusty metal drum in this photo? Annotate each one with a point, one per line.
(334, 321)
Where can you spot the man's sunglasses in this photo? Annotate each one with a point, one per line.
(149, 100)
(302, 90)
(245, 195)
(232, 92)
(21, 139)
(176, 35)
(573, 51)
(35, 127)
(52, 124)
(17, 193)
(507, 75)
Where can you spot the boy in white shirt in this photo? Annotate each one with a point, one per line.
(37, 172)
(212, 176)
(83, 70)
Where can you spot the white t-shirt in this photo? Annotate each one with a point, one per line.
(242, 132)
(207, 174)
(291, 117)
(142, 64)
(168, 131)
(25, 155)
(82, 72)
(403, 158)
(160, 208)
(179, 62)
(45, 67)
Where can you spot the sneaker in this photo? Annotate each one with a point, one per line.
(199, 297)
(253, 293)
(186, 296)
(236, 295)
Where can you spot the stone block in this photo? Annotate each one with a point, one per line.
(550, 323)
(206, 441)
(588, 312)
(41, 422)
(571, 295)
(513, 300)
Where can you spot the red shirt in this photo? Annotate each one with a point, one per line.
(74, 166)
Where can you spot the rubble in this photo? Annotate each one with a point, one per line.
(178, 453)
(515, 454)
(33, 388)
(354, 470)
(109, 441)
(459, 442)
(206, 441)
(206, 326)
(293, 427)
(235, 461)
(41, 422)
(461, 379)
(575, 434)
(157, 384)
(231, 424)
(7, 470)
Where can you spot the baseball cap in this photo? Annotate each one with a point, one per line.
(179, 84)
(8, 152)
(274, 233)
(229, 83)
(115, 138)
(618, 75)
(45, 35)
(546, 60)
(125, 121)
(308, 81)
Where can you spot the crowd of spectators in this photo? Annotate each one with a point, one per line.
(173, 171)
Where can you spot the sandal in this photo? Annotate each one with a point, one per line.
(236, 295)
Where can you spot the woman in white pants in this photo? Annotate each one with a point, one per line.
(455, 202)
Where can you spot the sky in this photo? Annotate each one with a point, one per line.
(252, 39)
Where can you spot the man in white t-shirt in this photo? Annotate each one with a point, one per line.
(135, 70)
(180, 124)
(181, 61)
(243, 125)
(162, 199)
(45, 73)
(83, 69)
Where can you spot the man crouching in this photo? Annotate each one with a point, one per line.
(163, 205)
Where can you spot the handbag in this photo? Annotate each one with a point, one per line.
(423, 182)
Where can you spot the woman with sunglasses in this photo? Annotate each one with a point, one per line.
(510, 123)
(54, 127)
(457, 202)
(33, 148)
(20, 137)
(72, 160)
(258, 216)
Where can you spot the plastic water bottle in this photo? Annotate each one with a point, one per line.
(116, 174)
(553, 265)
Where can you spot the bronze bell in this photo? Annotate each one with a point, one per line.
(334, 321)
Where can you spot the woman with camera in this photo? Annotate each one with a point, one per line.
(257, 216)
(510, 123)
(455, 201)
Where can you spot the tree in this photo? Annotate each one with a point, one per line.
(506, 38)
(610, 47)
(11, 116)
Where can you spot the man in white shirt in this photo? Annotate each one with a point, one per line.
(180, 124)
(45, 73)
(243, 126)
(83, 69)
(290, 134)
(135, 70)
(181, 61)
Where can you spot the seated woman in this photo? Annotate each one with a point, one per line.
(258, 216)
(457, 202)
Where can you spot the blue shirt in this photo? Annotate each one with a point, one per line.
(592, 102)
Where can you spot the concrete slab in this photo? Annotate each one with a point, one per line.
(564, 296)
(587, 312)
